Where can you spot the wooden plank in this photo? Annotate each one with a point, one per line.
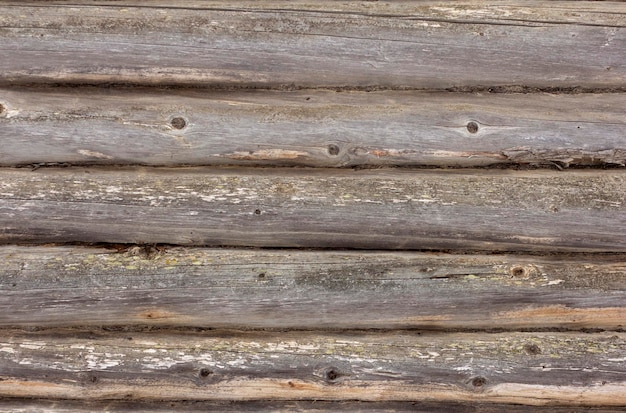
(223, 288)
(310, 128)
(520, 368)
(395, 209)
(312, 44)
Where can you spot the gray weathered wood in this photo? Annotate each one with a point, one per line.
(312, 128)
(401, 209)
(312, 44)
(521, 368)
(223, 288)
(133, 327)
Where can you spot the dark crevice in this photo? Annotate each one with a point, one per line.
(159, 404)
(228, 87)
(526, 166)
(152, 249)
(102, 331)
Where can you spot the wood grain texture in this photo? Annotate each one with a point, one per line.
(222, 288)
(374, 209)
(521, 368)
(146, 325)
(313, 44)
(308, 128)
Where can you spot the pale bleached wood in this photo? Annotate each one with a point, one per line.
(521, 368)
(226, 288)
(311, 128)
(375, 209)
(311, 44)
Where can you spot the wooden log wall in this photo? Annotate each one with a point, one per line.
(312, 206)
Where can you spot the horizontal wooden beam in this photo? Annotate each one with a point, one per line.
(520, 368)
(224, 288)
(374, 209)
(310, 44)
(308, 128)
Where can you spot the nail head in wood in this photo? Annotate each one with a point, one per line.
(472, 127)
(332, 374)
(178, 123)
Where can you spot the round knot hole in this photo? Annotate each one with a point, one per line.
(332, 374)
(479, 381)
(518, 272)
(205, 372)
(472, 127)
(257, 212)
(333, 149)
(178, 123)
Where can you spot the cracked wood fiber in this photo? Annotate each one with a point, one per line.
(234, 288)
(308, 128)
(375, 209)
(316, 44)
(522, 368)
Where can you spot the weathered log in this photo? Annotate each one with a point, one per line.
(401, 209)
(310, 128)
(521, 368)
(312, 44)
(222, 288)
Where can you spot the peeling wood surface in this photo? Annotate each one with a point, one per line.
(402, 209)
(310, 128)
(221, 288)
(522, 368)
(314, 44)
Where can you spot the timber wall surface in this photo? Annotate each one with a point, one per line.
(312, 206)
